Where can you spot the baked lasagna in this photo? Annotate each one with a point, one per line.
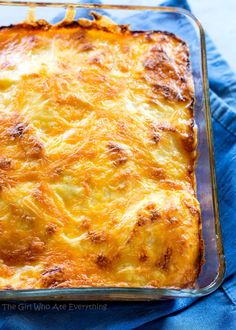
(97, 158)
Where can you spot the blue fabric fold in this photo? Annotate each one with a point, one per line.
(215, 311)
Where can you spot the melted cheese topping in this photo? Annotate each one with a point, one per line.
(97, 158)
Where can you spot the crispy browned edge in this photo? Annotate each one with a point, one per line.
(45, 26)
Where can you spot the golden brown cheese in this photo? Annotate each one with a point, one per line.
(97, 184)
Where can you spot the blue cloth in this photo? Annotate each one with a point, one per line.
(215, 311)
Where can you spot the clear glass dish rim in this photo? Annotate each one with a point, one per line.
(115, 293)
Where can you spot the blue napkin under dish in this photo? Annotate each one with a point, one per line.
(216, 311)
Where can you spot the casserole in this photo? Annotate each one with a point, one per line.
(203, 272)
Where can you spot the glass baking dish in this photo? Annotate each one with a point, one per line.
(186, 26)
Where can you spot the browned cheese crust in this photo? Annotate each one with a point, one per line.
(98, 148)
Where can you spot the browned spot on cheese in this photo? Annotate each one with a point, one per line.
(158, 173)
(142, 220)
(154, 215)
(23, 135)
(21, 252)
(33, 147)
(155, 137)
(168, 75)
(103, 261)
(166, 127)
(191, 208)
(97, 237)
(52, 277)
(148, 215)
(170, 184)
(188, 142)
(164, 261)
(96, 60)
(118, 154)
(155, 134)
(18, 130)
(85, 223)
(86, 47)
(143, 256)
(5, 163)
(51, 229)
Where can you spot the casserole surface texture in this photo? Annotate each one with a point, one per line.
(97, 156)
